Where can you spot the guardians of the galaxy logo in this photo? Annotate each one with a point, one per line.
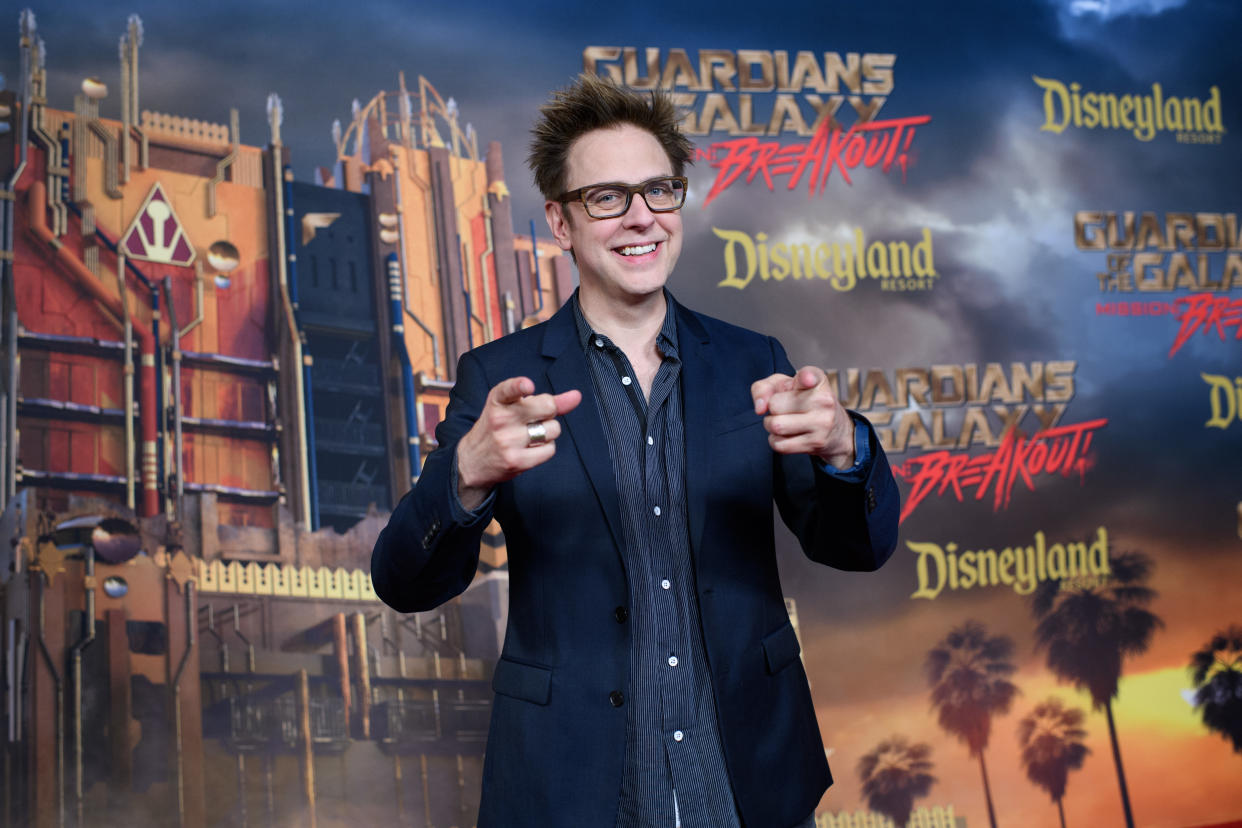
(832, 100)
(1164, 253)
(1013, 410)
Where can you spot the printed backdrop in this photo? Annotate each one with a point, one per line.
(1010, 232)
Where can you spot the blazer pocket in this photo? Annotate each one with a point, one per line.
(780, 648)
(522, 681)
(739, 420)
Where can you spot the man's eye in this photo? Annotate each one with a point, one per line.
(603, 197)
(659, 190)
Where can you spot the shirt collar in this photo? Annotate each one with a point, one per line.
(666, 340)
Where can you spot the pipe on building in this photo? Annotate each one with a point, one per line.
(283, 258)
(306, 404)
(110, 153)
(198, 298)
(126, 112)
(534, 255)
(467, 277)
(223, 647)
(191, 627)
(54, 156)
(14, 380)
(148, 412)
(340, 645)
(308, 366)
(223, 164)
(59, 687)
(308, 751)
(157, 458)
(237, 631)
(178, 447)
(510, 322)
(407, 370)
(75, 661)
(128, 380)
(8, 435)
(364, 673)
(135, 37)
(242, 814)
(487, 253)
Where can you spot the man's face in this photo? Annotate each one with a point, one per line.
(630, 256)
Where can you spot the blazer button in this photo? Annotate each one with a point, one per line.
(621, 614)
(617, 698)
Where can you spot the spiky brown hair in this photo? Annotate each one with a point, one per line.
(592, 102)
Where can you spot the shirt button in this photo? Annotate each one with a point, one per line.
(657, 511)
(621, 613)
(599, 343)
(650, 440)
(678, 735)
(626, 380)
(616, 698)
(672, 661)
(665, 584)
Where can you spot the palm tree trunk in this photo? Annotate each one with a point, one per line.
(987, 791)
(1061, 812)
(1121, 774)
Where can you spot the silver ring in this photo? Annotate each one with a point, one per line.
(537, 434)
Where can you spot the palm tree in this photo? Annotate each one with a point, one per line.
(1088, 628)
(1217, 673)
(1051, 738)
(969, 675)
(893, 775)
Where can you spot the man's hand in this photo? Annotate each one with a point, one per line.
(499, 446)
(802, 416)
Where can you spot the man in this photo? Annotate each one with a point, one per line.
(631, 450)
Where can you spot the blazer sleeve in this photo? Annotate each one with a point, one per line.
(844, 524)
(429, 551)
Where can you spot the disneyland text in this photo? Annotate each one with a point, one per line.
(1022, 568)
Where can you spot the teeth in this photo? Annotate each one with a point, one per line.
(637, 249)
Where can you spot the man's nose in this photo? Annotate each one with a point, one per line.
(639, 214)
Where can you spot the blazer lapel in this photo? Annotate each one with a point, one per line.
(697, 381)
(569, 370)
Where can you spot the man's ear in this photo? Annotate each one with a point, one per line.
(558, 223)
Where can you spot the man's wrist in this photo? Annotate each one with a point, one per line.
(469, 499)
(844, 460)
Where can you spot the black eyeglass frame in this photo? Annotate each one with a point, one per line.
(630, 190)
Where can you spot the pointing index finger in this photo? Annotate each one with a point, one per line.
(809, 377)
(762, 390)
(512, 390)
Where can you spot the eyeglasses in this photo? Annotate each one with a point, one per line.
(662, 195)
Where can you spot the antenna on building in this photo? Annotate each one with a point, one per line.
(130, 41)
(275, 116)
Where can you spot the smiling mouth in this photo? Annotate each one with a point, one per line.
(636, 249)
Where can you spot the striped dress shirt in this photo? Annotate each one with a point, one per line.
(674, 762)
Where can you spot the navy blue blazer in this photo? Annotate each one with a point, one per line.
(556, 745)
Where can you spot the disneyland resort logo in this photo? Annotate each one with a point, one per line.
(1022, 567)
(1144, 115)
(973, 432)
(1198, 255)
(841, 263)
(831, 101)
